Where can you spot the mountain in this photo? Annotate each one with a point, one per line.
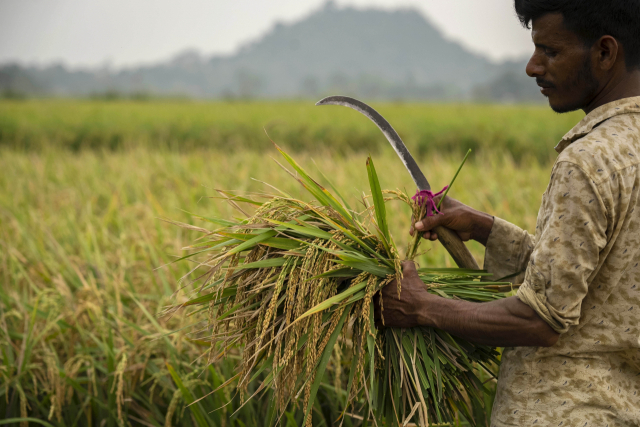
(369, 53)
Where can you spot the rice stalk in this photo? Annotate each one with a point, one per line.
(298, 290)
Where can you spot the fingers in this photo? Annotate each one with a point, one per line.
(465, 237)
(377, 313)
(409, 269)
(429, 223)
(430, 235)
(408, 265)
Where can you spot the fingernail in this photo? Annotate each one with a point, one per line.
(419, 225)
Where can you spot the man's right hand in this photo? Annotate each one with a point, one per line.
(467, 222)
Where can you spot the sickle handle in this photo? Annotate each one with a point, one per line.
(456, 248)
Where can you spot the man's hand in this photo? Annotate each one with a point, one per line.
(503, 323)
(466, 221)
(407, 311)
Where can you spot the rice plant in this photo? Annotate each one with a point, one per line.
(80, 342)
(67, 217)
(79, 125)
(290, 288)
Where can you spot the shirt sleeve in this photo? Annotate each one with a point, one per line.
(507, 251)
(567, 248)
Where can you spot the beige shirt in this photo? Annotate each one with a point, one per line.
(581, 273)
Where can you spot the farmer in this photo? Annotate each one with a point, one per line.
(572, 332)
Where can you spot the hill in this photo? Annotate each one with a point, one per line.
(371, 53)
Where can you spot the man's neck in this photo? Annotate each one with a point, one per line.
(625, 86)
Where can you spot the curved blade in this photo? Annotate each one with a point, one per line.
(391, 135)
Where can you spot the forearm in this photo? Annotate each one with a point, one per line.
(483, 226)
(503, 323)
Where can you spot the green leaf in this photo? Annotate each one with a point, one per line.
(455, 271)
(324, 360)
(371, 344)
(333, 300)
(369, 267)
(238, 306)
(28, 419)
(378, 201)
(291, 421)
(454, 178)
(335, 190)
(250, 234)
(316, 189)
(427, 362)
(208, 297)
(352, 372)
(262, 367)
(436, 359)
(340, 272)
(196, 410)
(230, 196)
(308, 231)
(225, 243)
(213, 219)
(271, 262)
(252, 242)
(351, 235)
(356, 297)
(282, 243)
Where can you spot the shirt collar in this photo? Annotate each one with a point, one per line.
(597, 116)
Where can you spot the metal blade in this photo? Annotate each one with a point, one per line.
(391, 135)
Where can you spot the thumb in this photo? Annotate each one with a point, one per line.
(409, 268)
(430, 222)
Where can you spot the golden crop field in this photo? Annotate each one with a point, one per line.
(83, 191)
(519, 132)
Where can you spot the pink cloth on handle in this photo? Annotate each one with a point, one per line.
(425, 197)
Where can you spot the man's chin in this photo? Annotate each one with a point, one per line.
(562, 107)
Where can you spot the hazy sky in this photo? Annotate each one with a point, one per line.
(127, 32)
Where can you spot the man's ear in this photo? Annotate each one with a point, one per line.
(608, 51)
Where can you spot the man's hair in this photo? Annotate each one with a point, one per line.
(592, 19)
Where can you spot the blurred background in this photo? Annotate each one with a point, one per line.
(116, 115)
(378, 49)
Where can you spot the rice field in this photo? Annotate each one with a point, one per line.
(299, 126)
(82, 236)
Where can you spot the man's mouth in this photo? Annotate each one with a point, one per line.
(545, 87)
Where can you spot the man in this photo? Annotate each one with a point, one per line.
(572, 333)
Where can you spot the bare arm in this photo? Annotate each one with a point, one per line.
(574, 235)
(503, 323)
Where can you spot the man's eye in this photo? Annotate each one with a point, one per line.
(550, 53)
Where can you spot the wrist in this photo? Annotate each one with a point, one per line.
(426, 310)
(483, 225)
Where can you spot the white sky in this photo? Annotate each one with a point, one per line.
(127, 32)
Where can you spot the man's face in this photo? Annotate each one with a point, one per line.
(561, 65)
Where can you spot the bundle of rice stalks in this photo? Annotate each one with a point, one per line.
(290, 291)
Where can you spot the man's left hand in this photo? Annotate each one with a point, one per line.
(506, 322)
(409, 310)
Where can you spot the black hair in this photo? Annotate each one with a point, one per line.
(592, 19)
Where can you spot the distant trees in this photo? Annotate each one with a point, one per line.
(367, 53)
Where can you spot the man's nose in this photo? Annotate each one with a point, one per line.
(535, 67)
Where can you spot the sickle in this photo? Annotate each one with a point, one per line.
(449, 238)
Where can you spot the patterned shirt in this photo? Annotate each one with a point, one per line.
(581, 273)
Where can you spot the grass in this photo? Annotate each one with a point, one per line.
(524, 131)
(80, 241)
